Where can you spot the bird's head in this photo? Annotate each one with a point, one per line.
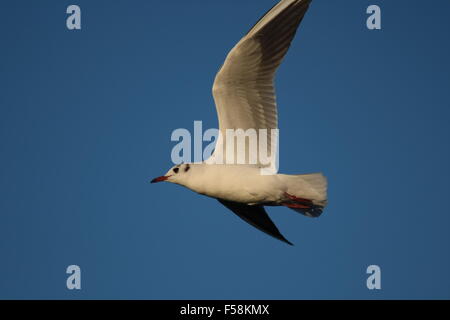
(176, 174)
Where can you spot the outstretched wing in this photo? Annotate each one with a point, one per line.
(256, 216)
(244, 90)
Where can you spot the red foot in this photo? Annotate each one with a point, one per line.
(296, 202)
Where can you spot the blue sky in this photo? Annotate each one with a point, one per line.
(85, 123)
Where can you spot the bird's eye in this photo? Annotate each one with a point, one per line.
(175, 170)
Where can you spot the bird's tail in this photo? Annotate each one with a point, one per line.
(305, 193)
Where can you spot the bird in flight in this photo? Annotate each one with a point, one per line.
(244, 95)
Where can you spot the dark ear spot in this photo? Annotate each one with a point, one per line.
(175, 170)
(187, 168)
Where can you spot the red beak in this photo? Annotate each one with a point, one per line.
(159, 179)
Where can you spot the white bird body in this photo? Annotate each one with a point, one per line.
(244, 95)
(237, 183)
(246, 184)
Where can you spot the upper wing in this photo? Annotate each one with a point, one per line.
(244, 90)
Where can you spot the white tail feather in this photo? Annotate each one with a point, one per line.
(311, 186)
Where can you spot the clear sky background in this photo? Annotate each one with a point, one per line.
(85, 123)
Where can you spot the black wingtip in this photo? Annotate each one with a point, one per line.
(280, 237)
(286, 241)
(256, 216)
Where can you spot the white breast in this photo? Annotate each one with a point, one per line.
(236, 183)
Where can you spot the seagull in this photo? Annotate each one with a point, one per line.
(244, 96)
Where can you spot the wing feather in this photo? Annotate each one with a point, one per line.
(256, 216)
(243, 89)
